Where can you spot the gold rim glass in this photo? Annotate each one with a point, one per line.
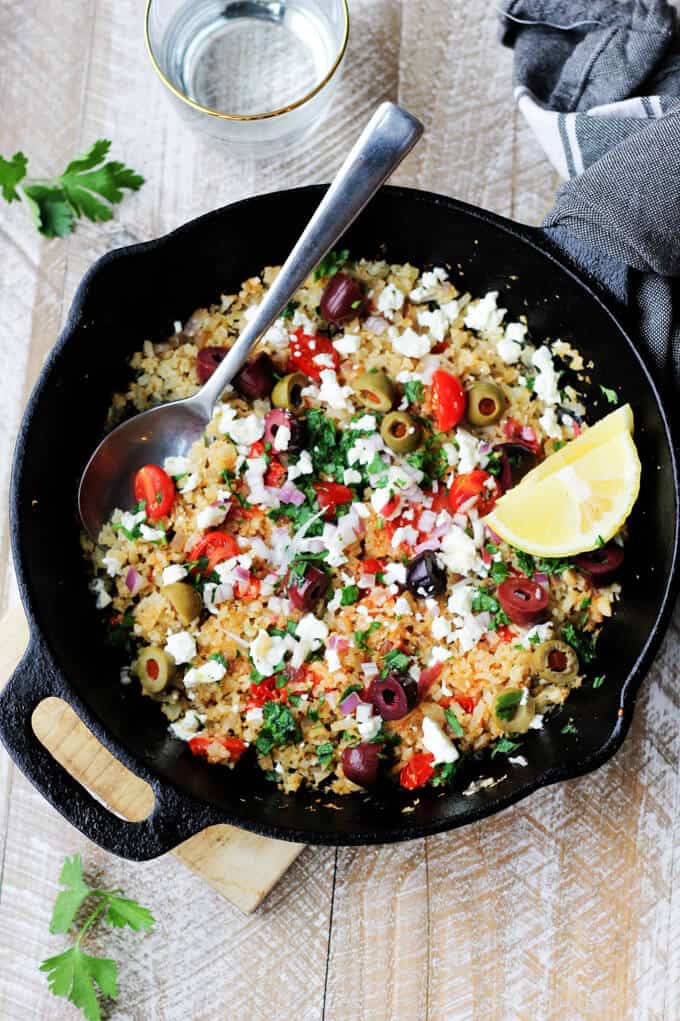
(221, 115)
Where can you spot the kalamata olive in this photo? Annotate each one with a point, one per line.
(360, 763)
(309, 590)
(207, 360)
(342, 299)
(394, 696)
(517, 459)
(276, 419)
(601, 564)
(256, 378)
(524, 601)
(425, 576)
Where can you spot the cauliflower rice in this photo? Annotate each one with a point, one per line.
(295, 687)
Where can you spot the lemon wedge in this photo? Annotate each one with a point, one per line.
(611, 425)
(577, 506)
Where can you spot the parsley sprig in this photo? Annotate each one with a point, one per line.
(73, 973)
(55, 203)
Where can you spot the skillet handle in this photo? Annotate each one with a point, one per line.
(175, 817)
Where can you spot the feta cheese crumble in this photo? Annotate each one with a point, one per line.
(181, 646)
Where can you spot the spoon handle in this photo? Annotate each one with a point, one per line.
(390, 134)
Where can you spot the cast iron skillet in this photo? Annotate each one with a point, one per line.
(136, 293)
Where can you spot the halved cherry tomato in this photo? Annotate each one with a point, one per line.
(257, 449)
(216, 546)
(466, 702)
(157, 488)
(440, 499)
(471, 484)
(305, 348)
(417, 771)
(391, 506)
(234, 745)
(275, 474)
(505, 633)
(331, 495)
(449, 399)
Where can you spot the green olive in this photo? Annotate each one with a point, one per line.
(155, 669)
(486, 404)
(375, 390)
(556, 663)
(184, 599)
(401, 432)
(288, 391)
(513, 710)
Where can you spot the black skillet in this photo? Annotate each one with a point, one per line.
(137, 293)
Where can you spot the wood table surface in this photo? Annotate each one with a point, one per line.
(562, 907)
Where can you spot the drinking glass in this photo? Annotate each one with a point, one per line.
(258, 74)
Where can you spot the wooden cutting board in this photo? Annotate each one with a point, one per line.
(241, 866)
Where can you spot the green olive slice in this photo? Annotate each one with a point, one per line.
(556, 662)
(486, 404)
(287, 393)
(184, 599)
(513, 710)
(154, 668)
(401, 432)
(375, 390)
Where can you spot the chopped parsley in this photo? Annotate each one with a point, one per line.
(444, 773)
(453, 722)
(348, 691)
(542, 565)
(611, 395)
(504, 747)
(600, 542)
(279, 727)
(499, 571)
(325, 754)
(395, 660)
(414, 390)
(218, 657)
(331, 263)
(289, 310)
(569, 727)
(484, 602)
(507, 704)
(361, 637)
(349, 595)
(582, 642)
(599, 680)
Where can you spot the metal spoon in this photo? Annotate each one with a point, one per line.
(173, 428)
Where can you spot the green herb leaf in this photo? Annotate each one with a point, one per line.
(11, 173)
(611, 395)
(69, 901)
(76, 975)
(444, 772)
(279, 727)
(397, 660)
(218, 657)
(499, 571)
(289, 310)
(569, 727)
(349, 595)
(507, 703)
(504, 747)
(599, 680)
(582, 642)
(348, 691)
(331, 263)
(414, 390)
(453, 722)
(361, 637)
(325, 753)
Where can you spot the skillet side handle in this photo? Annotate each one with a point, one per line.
(174, 819)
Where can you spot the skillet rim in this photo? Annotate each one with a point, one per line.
(492, 803)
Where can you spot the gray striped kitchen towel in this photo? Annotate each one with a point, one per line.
(598, 81)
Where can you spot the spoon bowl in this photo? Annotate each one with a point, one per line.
(171, 429)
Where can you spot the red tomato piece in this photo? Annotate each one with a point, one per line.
(417, 771)
(304, 348)
(440, 499)
(371, 566)
(248, 590)
(449, 400)
(257, 449)
(234, 745)
(216, 546)
(466, 702)
(505, 633)
(331, 495)
(275, 474)
(474, 484)
(157, 488)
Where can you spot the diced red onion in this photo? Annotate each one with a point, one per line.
(484, 447)
(440, 531)
(492, 535)
(338, 643)
(369, 669)
(349, 704)
(376, 324)
(528, 434)
(541, 578)
(241, 574)
(134, 581)
(431, 544)
(289, 493)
